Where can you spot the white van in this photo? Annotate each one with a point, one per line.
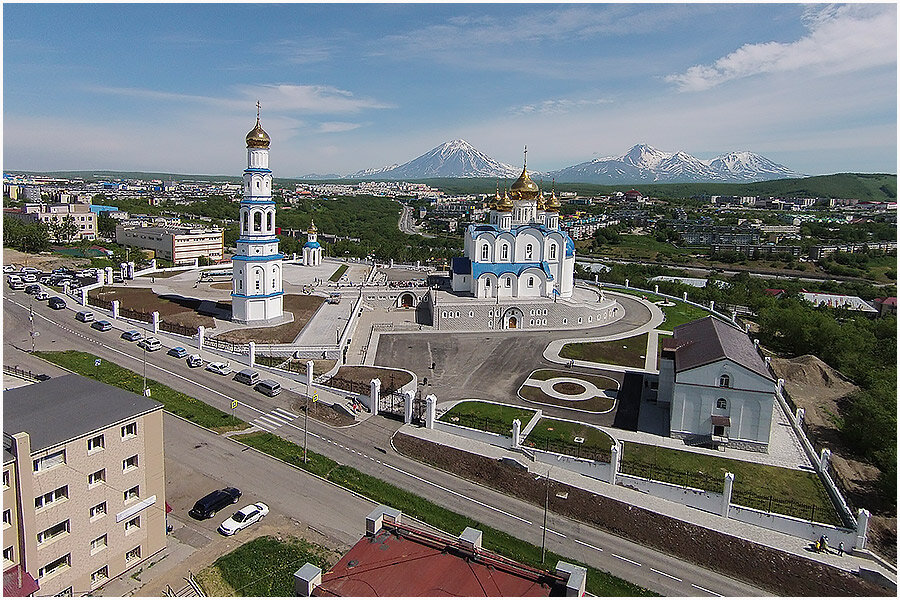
(248, 376)
(151, 344)
(84, 316)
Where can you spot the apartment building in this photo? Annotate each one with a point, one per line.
(181, 245)
(53, 214)
(83, 485)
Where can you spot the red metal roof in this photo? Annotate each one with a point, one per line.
(404, 563)
(17, 582)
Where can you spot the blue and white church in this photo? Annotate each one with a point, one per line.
(521, 253)
(257, 295)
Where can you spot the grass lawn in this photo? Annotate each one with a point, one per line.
(302, 307)
(339, 273)
(599, 582)
(171, 308)
(596, 404)
(565, 432)
(676, 315)
(628, 352)
(604, 383)
(788, 485)
(261, 567)
(173, 401)
(486, 416)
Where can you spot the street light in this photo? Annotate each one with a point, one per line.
(144, 347)
(546, 506)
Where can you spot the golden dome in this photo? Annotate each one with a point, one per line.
(506, 204)
(524, 187)
(312, 227)
(553, 205)
(258, 138)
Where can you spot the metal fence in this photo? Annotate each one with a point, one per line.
(349, 385)
(656, 472)
(781, 506)
(23, 374)
(576, 450)
(99, 302)
(479, 423)
(177, 329)
(226, 345)
(127, 313)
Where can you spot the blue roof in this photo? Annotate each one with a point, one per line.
(460, 265)
(478, 269)
(570, 245)
(312, 245)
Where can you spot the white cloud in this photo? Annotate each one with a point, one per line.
(841, 39)
(337, 126)
(557, 106)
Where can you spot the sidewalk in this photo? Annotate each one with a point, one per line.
(765, 537)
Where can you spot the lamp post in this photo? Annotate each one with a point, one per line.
(546, 506)
(306, 431)
(144, 347)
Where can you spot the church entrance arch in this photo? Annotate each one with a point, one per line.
(512, 319)
(406, 300)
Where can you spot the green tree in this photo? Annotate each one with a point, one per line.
(106, 226)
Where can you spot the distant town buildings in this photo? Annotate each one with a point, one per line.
(181, 245)
(56, 215)
(84, 494)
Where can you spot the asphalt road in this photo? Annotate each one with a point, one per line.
(366, 447)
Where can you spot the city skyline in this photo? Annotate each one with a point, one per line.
(172, 88)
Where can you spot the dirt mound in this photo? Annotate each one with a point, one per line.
(815, 387)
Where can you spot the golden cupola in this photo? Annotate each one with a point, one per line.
(553, 204)
(312, 227)
(258, 138)
(523, 187)
(506, 204)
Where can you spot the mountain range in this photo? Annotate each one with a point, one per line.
(641, 164)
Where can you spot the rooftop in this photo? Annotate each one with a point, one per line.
(65, 408)
(708, 340)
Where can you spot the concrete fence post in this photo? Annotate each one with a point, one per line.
(824, 459)
(626, 283)
(712, 305)
(201, 334)
(430, 410)
(408, 397)
(516, 432)
(153, 264)
(109, 275)
(123, 270)
(154, 319)
(101, 277)
(684, 296)
(862, 527)
(656, 289)
(800, 415)
(780, 386)
(375, 395)
(726, 494)
(615, 460)
(596, 278)
(115, 309)
(309, 377)
(129, 271)
(84, 294)
(251, 354)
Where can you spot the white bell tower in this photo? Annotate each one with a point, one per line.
(257, 294)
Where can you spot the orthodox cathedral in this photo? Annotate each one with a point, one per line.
(257, 294)
(522, 253)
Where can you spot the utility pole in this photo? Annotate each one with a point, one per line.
(546, 506)
(144, 347)
(31, 318)
(306, 431)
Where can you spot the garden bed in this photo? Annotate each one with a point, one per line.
(486, 416)
(172, 308)
(628, 352)
(302, 307)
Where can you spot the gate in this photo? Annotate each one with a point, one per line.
(392, 405)
(418, 411)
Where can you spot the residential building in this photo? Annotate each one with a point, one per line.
(718, 387)
(180, 245)
(394, 559)
(55, 214)
(839, 301)
(83, 483)
(820, 252)
(753, 250)
(886, 306)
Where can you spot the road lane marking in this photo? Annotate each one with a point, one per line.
(588, 545)
(665, 574)
(705, 590)
(263, 425)
(270, 422)
(634, 562)
(278, 419)
(562, 535)
(285, 413)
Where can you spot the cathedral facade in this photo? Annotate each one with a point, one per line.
(257, 294)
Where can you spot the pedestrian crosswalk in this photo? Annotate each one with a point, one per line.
(274, 419)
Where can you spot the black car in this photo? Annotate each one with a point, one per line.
(208, 505)
(56, 303)
(32, 289)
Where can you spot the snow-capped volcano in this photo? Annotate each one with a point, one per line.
(643, 163)
(456, 158)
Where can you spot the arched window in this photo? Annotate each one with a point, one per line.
(487, 283)
(246, 220)
(257, 184)
(484, 252)
(269, 218)
(721, 403)
(258, 277)
(508, 282)
(531, 282)
(529, 251)
(257, 220)
(552, 251)
(725, 381)
(504, 252)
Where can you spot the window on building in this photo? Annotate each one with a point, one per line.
(721, 403)
(504, 252)
(100, 575)
(98, 511)
(246, 221)
(96, 478)
(529, 251)
(50, 461)
(8, 554)
(7, 517)
(130, 463)
(54, 532)
(552, 251)
(484, 252)
(132, 493)
(66, 593)
(95, 444)
(133, 554)
(98, 544)
(5, 479)
(269, 218)
(129, 431)
(725, 381)
(531, 282)
(132, 524)
(49, 498)
(508, 282)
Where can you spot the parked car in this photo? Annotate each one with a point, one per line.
(41, 296)
(177, 352)
(150, 344)
(56, 303)
(84, 316)
(248, 376)
(29, 278)
(9, 269)
(101, 325)
(269, 387)
(16, 285)
(194, 360)
(245, 517)
(32, 289)
(210, 504)
(219, 368)
(132, 335)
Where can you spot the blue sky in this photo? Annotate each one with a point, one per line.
(343, 87)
